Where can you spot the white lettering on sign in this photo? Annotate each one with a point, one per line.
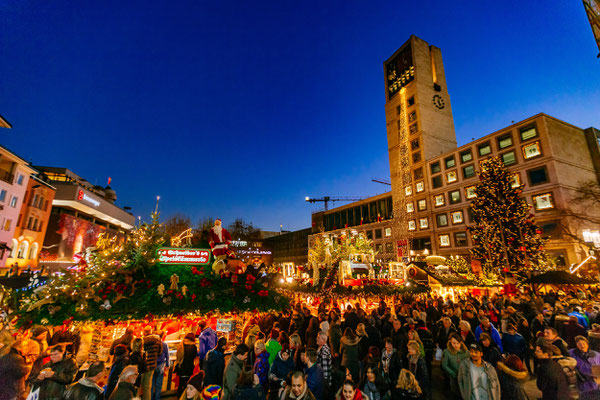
(183, 256)
(90, 200)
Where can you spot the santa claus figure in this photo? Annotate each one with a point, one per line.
(220, 239)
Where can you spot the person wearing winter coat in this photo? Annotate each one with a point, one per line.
(525, 331)
(137, 358)
(465, 332)
(571, 330)
(373, 384)
(152, 348)
(452, 356)
(281, 367)
(511, 373)
(207, 341)
(273, 346)
(586, 359)
(335, 336)
(125, 339)
(314, 374)
(87, 388)
(350, 391)
(491, 353)
(126, 389)
(487, 327)
(214, 364)
(261, 364)
(551, 336)
(416, 365)
(13, 372)
(513, 342)
(186, 360)
(363, 341)
(311, 333)
(538, 325)
(233, 370)
(248, 386)
(298, 388)
(391, 362)
(477, 378)
(551, 379)
(193, 390)
(349, 352)
(407, 387)
(120, 361)
(56, 374)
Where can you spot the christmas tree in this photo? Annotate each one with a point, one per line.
(505, 237)
(124, 280)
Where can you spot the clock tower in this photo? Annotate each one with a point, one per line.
(419, 127)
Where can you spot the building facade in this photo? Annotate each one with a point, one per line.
(14, 179)
(32, 223)
(432, 179)
(80, 213)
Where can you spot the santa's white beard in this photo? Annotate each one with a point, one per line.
(218, 229)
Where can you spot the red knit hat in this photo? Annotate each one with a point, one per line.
(513, 362)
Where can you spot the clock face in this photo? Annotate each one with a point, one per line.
(438, 101)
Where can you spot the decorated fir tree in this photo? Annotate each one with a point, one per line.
(505, 237)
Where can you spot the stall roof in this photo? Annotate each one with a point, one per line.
(559, 278)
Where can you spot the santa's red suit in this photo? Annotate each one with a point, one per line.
(219, 240)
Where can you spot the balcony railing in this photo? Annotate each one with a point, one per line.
(6, 176)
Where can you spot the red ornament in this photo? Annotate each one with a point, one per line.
(263, 293)
(234, 279)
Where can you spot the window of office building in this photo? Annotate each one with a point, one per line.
(532, 150)
(460, 239)
(435, 168)
(414, 128)
(442, 220)
(505, 141)
(468, 171)
(20, 179)
(484, 149)
(444, 240)
(436, 181)
(424, 223)
(543, 201)
(528, 133)
(418, 173)
(537, 176)
(439, 200)
(420, 186)
(451, 176)
(470, 192)
(422, 205)
(509, 158)
(466, 156)
(457, 217)
(13, 201)
(408, 191)
(3, 195)
(369, 234)
(378, 234)
(379, 248)
(416, 157)
(551, 230)
(412, 225)
(389, 247)
(411, 101)
(454, 196)
(410, 207)
(420, 244)
(450, 162)
(388, 232)
(414, 144)
(412, 116)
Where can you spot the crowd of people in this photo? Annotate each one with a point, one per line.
(487, 347)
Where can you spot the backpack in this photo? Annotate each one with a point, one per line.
(569, 367)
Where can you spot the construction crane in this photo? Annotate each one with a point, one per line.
(327, 199)
(382, 181)
(592, 9)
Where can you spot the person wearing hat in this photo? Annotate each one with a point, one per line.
(120, 361)
(193, 390)
(551, 378)
(586, 360)
(476, 378)
(126, 389)
(511, 373)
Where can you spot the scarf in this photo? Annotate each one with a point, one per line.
(371, 390)
(412, 362)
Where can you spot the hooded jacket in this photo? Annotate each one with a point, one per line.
(493, 332)
(208, 340)
(273, 348)
(214, 365)
(232, 372)
(261, 368)
(280, 368)
(551, 380)
(349, 352)
(585, 361)
(152, 347)
(510, 385)
(451, 359)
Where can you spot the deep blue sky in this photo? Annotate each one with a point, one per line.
(241, 109)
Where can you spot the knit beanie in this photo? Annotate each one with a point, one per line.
(196, 381)
(211, 392)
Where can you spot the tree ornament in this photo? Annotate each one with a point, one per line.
(184, 290)
(106, 306)
(174, 282)
(161, 290)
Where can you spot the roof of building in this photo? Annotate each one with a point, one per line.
(4, 123)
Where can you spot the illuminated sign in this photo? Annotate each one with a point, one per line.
(82, 196)
(400, 71)
(170, 255)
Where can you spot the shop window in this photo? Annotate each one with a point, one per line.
(378, 234)
(451, 176)
(410, 207)
(537, 176)
(388, 232)
(532, 150)
(435, 168)
(509, 158)
(420, 186)
(412, 116)
(454, 196)
(418, 173)
(450, 162)
(437, 182)
(543, 201)
(424, 223)
(528, 133)
(414, 128)
(468, 171)
(408, 190)
(484, 149)
(412, 225)
(466, 156)
(414, 144)
(416, 157)
(442, 220)
(439, 200)
(444, 240)
(470, 192)
(505, 141)
(460, 239)
(457, 217)
(411, 101)
(422, 205)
